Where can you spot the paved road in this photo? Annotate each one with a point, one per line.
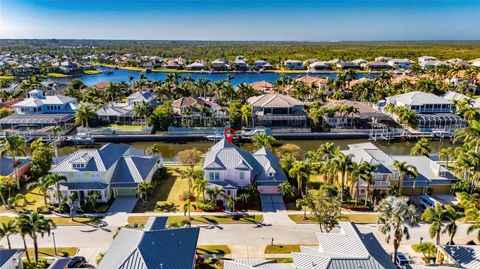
(227, 234)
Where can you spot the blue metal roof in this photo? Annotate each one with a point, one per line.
(6, 165)
(84, 185)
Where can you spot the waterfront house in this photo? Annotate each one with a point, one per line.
(111, 171)
(343, 65)
(364, 117)
(382, 59)
(262, 65)
(277, 110)
(39, 103)
(457, 62)
(195, 105)
(455, 96)
(293, 65)
(220, 65)
(196, 66)
(263, 86)
(400, 63)
(433, 112)
(153, 247)
(123, 113)
(431, 175)
(320, 66)
(70, 67)
(232, 168)
(11, 258)
(360, 62)
(174, 64)
(378, 66)
(426, 59)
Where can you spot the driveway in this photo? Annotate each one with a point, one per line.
(272, 202)
(123, 204)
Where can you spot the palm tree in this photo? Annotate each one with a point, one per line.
(13, 145)
(469, 134)
(263, 140)
(22, 229)
(393, 212)
(143, 189)
(404, 170)
(54, 180)
(342, 164)
(142, 110)
(286, 189)
(42, 183)
(445, 154)
(246, 112)
(436, 216)
(421, 148)
(6, 230)
(300, 171)
(34, 224)
(200, 184)
(452, 216)
(85, 114)
(6, 185)
(154, 150)
(303, 202)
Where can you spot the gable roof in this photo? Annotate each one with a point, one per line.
(101, 159)
(140, 249)
(368, 152)
(347, 249)
(273, 100)
(132, 170)
(224, 155)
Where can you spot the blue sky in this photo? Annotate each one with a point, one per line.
(300, 20)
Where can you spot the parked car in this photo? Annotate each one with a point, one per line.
(77, 262)
(402, 260)
(428, 201)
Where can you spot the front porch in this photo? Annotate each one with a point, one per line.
(82, 190)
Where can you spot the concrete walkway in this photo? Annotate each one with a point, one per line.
(247, 251)
(124, 204)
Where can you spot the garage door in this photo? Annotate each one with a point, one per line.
(272, 202)
(126, 192)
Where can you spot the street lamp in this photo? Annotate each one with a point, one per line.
(54, 243)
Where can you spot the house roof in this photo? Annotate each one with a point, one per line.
(193, 101)
(428, 170)
(455, 96)
(417, 98)
(7, 254)
(399, 79)
(99, 159)
(367, 152)
(311, 79)
(7, 162)
(132, 170)
(269, 163)
(113, 110)
(263, 86)
(255, 264)
(148, 249)
(347, 249)
(145, 95)
(48, 100)
(59, 263)
(364, 111)
(465, 256)
(274, 100)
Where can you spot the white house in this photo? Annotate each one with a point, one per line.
(123, 112)
(293, 65)
(39, 103)
(110, 171)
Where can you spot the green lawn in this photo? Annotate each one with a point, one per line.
(92, 72)
(357, 218)
(58, 75)
(127, 127)
(166, 195)
(33, 200)
(214, 219)
(60, 220)
(213, 249)
(7, 77)
(50, 252)
(281, 249)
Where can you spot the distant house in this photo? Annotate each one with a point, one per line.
(111, 171)
(347, 249)
(220, 65)
(293, 65)
(231, 168)
(433, 112)
(364, 118)
(196, 66)
(7, 170)
(11, 258)
(240, 64)
(263, 86)
(191, 106)
(455, 96)
(262, 65)
(400, 63)
(123, 113)
(378, 66)
(277, 110)
(382, 59)
(347, 65)
(154, 247)
(69, 67)
(320, 66)
(404, 78)
(426, 59)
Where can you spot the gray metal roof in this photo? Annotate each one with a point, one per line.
(417, 98)
(255, 264)
(153, 249)
(82, 186)
(347, 249)
(98, 160)
(59, 263)
(465, 256)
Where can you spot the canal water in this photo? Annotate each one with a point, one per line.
(118, 75)
(169, 150)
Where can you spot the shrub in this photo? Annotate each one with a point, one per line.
(44, 210)
(208, 207)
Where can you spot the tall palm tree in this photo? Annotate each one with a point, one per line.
(142, 110)
(263, 140)
(22, 229)
(154, 150)
(85, 114)
(7, 229)
(446, 154)
(469, 134)
(300, 171)
(246, 112)
(200, 184)
(393, 213)
(452, 216)
(54, 181)
(422, 147)
(13, 145)
(286, 189)
(436, 216)
(342, 164)
(35, 224)
(404, 170)
(42, 183)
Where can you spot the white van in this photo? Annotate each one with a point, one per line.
(428, 201)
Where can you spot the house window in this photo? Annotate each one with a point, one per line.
(241, 175)
(270, 174)
(214, 176)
